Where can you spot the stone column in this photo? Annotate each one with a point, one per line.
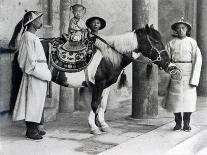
(202, 43)
(144, 90)
(190, 15)
(52, 99)
(66, 94)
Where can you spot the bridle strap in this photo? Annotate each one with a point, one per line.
(130, 57)
(154, 48)
(104, 41)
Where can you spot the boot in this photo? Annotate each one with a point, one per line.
(186, 119)
(178, 121)
(32, 131)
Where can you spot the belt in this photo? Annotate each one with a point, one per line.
(41, 61)
(181, 61)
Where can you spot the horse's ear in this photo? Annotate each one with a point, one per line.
(152, 26)
(147, 28)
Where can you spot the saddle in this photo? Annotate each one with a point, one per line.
(70, 55)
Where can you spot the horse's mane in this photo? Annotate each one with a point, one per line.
(123, 43)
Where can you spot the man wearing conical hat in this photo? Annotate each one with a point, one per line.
(182, 95)
(32, 61)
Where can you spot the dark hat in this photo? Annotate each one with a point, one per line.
(181, 21)
(30, 16)
(90, 20)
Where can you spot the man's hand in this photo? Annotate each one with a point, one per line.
(174, 71)
(191, 85)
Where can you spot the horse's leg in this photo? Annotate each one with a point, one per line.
(96, 96)
(104, 126)
(95, 103)
(91, 122)
(91, 118)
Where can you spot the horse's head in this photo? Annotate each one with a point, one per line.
(151, 46)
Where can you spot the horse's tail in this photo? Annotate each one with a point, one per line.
(122, 81)
(14, 40)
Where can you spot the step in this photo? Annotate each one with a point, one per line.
(156, 142)
(196, 144)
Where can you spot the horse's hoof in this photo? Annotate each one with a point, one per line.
(96, 132)
(106, 129)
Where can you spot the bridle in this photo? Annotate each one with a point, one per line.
(153, 48)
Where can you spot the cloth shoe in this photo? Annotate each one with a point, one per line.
(178, 121)
(186, 119)
(186, 126)
(33, 134)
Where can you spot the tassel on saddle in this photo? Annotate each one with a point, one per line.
(149, 69)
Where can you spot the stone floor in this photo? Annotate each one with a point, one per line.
(70, 133)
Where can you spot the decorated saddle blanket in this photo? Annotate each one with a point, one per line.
(78, 79)
(71, 56)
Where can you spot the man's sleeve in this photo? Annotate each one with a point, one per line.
(32, 66)
(197, 62)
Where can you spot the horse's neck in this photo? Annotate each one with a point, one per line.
(125, 61)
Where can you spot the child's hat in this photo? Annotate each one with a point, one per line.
(90, 20)
(77, 5)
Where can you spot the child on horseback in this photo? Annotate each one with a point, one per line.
(76, 24)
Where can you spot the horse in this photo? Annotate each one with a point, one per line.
(113, 55)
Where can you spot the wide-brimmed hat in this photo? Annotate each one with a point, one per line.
(30, 16)
(181, 21)
(90, 20)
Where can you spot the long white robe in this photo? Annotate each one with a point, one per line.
(32, 92)
(181, 97)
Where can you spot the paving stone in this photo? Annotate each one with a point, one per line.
(61, 134)
(131, 134)
(94, 147)
(112, 139)
(47, 146)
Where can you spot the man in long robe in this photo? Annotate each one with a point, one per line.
(182, 95)
(32, 61)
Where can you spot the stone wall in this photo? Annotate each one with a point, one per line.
(5, 80)
(11, 12)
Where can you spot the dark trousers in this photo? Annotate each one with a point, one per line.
(33, 125)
